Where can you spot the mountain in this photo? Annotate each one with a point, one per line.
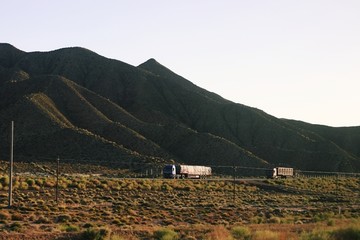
(79, 105)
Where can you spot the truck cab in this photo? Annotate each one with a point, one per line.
(271, 173)
(169, 171)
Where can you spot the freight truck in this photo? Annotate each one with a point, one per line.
(282, 172)
(186, 171)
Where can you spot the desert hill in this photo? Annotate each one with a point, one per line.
(77, 104)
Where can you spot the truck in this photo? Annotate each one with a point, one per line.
(186, 171)
(282, 172)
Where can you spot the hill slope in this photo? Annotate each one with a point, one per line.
(82, 105)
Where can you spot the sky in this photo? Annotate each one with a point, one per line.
(292, 59)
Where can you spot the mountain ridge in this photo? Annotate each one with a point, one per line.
(153, 115)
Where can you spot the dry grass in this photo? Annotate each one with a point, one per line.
(207, 209)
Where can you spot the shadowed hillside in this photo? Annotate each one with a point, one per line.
(79, 105)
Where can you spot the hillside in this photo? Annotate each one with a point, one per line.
(77, 104)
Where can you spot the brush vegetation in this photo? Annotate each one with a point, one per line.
(96, 207)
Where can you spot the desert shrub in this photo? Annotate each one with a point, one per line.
(275, 220)
(352, 233)
(30, 182)
(88, 225)
(265, 235)
(330, 222)
(63, 218)
(166, 187)
(315, 235)
(70, 228)
(16, 182)
(118, 222)
(24, 186)
(16, 226)
(4, 215)
(95, 234)
(242, 233)
(42, 219)
(4, 180)
(116, 237)
(257, 220)
(188, 188)
(39, 181)
(165, 234)
(323, 216)
(17, 217)
(49, 182)
(219, 233)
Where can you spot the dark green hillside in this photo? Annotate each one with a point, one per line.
(156, 68)
(345, 138)
(52, 110)
(266, 136)
(45, 130)
(9, 55)
(109, 78)
(82, 105)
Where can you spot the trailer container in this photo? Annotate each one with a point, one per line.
(282, 172)
(186, 171)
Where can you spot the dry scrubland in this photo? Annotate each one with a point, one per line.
(93, 207)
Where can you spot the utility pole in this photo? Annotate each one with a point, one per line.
(57, 180)
(337, 184)
(11, 163)
(234, 190)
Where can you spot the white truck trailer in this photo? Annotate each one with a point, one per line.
(186, 171)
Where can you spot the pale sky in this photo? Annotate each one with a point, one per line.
(295, 59)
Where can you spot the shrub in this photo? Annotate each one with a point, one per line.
(352, 233)
(70, 228)
(16, 226)
(63, 218)
(117, 222)
(242, 233)
(325, 216)
(30, 182)
(116, 237)
(4, 215)
(265, 235)
(315, 235)
(39, 182)
(257, 220)
(17, 217)
(24, 186)
(88, 225)
(4, 180)
(219, 233)
(42, 219)
(95, 234)
(165, 234)
(49, 182)
(330, 222)
(166, 187)
(275, 220)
